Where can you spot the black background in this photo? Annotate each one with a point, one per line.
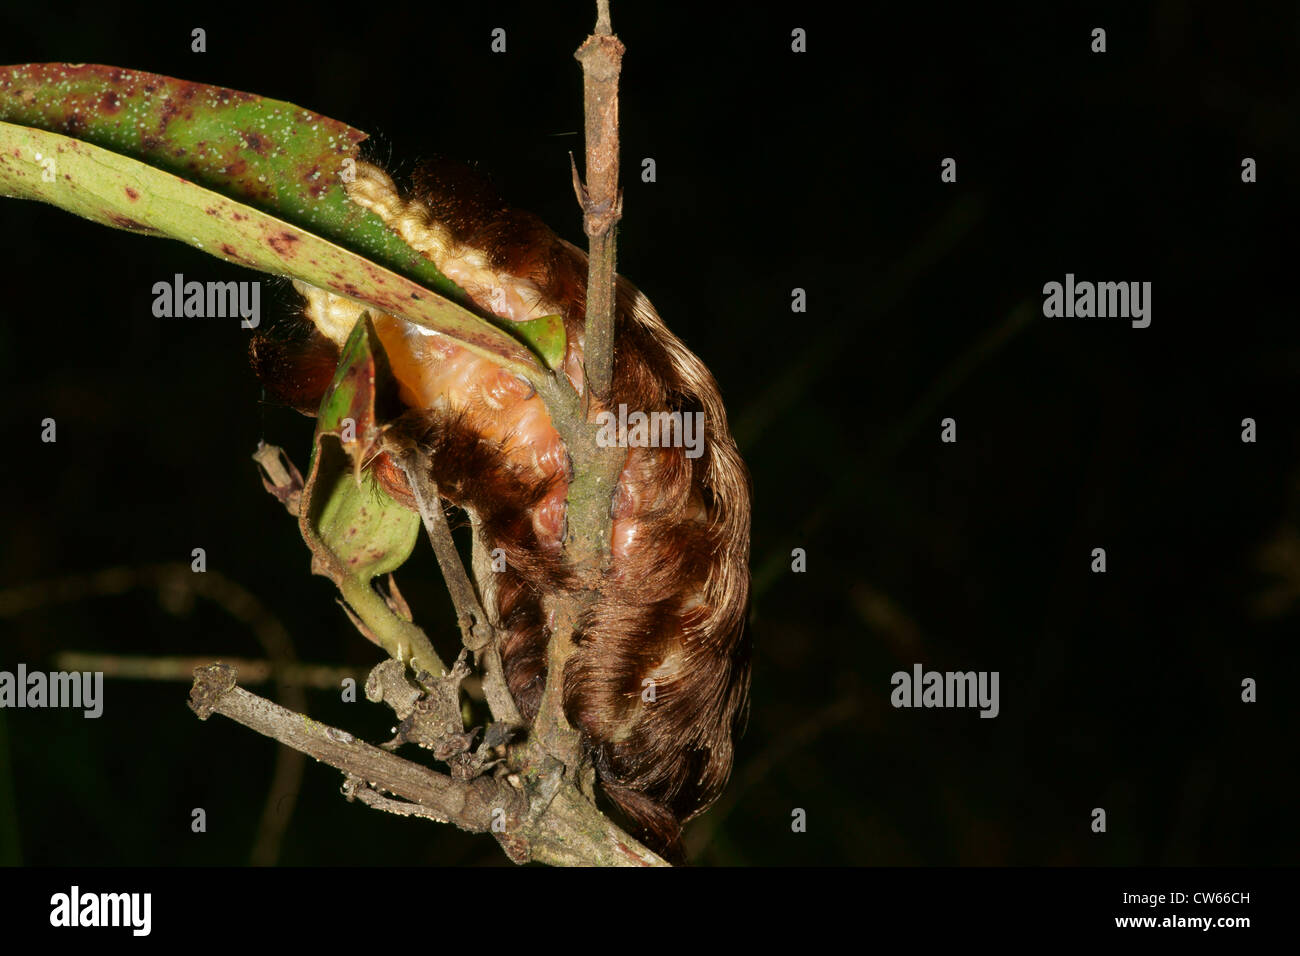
(775, 171)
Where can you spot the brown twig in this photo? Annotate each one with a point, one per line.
(542, 820)
(476, 629)
(601, 57)
(494, 688)
(479, 632)
(469, 804)
(595, 469)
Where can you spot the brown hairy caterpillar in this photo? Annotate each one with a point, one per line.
(673, 603)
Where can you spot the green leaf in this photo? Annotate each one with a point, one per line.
(545, 336)
(126, 194)
(352, 394)
(363, 532)
(355, 530)
(252, 180)
(274, 156)
(366, 531)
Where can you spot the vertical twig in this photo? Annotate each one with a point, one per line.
(601, 199)
(595, 469)
(478, 631)
(475, 628)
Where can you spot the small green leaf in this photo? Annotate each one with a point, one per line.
(352, 393)
(354, 528)
(366, 531)
(545, 336)
(363, 530)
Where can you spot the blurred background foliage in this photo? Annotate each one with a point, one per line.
(775, 171)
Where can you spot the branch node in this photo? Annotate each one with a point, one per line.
(211, 683)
